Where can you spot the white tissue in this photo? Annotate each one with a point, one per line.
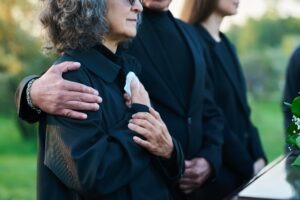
(130, 77)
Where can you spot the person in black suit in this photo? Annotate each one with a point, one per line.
(292, 85)
(101, 157)
(243, 155)
(174, 73)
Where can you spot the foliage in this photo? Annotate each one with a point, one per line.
(264, 46)
(20, 54)
(293, 137)
(266, 32)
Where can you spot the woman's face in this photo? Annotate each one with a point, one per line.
(227, 7)
(122, 18)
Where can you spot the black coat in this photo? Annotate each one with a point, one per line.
(292, 84)
(201, 124)
(97, 158)
(242, 146)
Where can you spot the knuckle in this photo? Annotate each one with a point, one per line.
(78, 104)
(68, 114)
(53, 110)
(60, 83)
(84, 88)
(59, 96)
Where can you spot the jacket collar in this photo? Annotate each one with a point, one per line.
(95, 60)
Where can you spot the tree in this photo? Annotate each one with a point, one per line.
(264, 46)
(20, 53)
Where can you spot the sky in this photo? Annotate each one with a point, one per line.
(249, 8)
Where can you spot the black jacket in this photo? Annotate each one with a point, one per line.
(97, 158)
(242, 146)
(201, 125)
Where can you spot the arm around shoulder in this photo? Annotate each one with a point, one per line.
(25, 112)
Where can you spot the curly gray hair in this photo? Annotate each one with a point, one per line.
(74, 23)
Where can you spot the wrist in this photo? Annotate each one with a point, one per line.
(170, 152)
(28, 96)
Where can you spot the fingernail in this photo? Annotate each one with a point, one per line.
(133, 115)
(95, 92)
(77, 64)
(97, 106)
(84, 116)
(135, 138)
(99, 100)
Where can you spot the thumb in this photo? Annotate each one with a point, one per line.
(188, 163)
(134, 87)
(65, 67)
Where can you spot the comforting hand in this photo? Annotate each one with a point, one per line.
(258, 165)
(54, 95)
(156, 137)
(138, 94)
(197, 171)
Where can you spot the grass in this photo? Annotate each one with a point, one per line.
(17, 175)
(17, 163)
(18, 157)
(11, 141)
(268, 118)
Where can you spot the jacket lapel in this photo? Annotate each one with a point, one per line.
(238, 84)
(151, 43)
(196, 51)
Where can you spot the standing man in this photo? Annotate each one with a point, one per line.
(174, 75)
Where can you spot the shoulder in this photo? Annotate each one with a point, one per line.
(182, 23)
(296, 54)
(294, 63)
(188, 27)
(80, 75)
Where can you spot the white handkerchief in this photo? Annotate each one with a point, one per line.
(130, 77)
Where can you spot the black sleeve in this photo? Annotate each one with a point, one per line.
(254, 143)
(89, 157)
(173, 168)
(236, 155)
(292, 84)
(24, 111)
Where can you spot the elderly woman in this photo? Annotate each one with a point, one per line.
(122, 151)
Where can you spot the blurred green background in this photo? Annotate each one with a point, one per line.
(264, 45)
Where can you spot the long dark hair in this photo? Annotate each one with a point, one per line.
(197, 11)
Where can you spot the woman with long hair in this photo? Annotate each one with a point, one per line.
(243, 155)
